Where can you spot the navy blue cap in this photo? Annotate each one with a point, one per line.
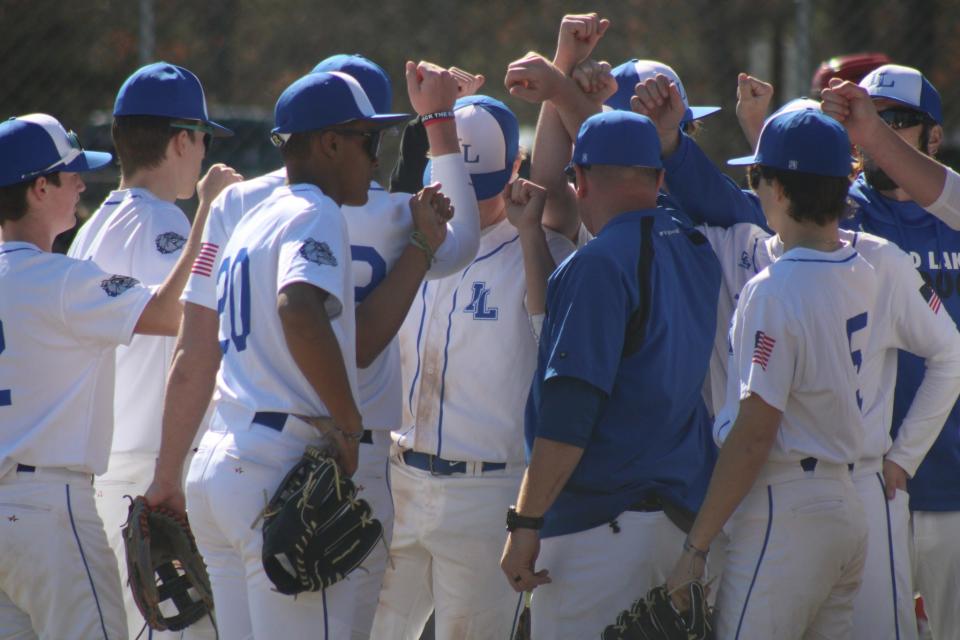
(490, 138)
(906, 86)
(633, 72)
(619, 138)
(803, 140)
(165, 90)
(370, 75)
(37, 144)
(320, 100)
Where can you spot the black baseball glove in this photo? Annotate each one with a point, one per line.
(655, 618)
(315, 529)
(163, 564)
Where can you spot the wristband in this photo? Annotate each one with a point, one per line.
(436, 116)
(419, 240)
(356, 436)
(699, 553)
(517, 521)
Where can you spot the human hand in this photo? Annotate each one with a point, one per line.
(217, 178)
(852, 106)
(431, 88)
(519, 558)
(894, 477)
(659, 99)
(431, 210)
(688, 568)
(579, 34)
(533, 78)
(467, 83)
(164, 491)
(595, 80)
(525, 202)
(753, 101)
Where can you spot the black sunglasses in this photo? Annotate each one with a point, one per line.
(754, 174)
(204, 129)
(903, 118)
(371, 139)
(571, 173)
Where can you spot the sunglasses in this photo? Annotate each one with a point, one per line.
(901, 118)
(571, 173)
(206, 130)
(371, 139)
(754, 174)
(75, 150)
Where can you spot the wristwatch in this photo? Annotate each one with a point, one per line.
(517, 521)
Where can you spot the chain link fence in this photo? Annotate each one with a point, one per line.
(69, 58)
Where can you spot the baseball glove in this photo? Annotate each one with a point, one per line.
(163, 564)
(315, 529)
(655, 618)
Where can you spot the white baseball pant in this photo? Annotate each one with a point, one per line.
(231, 478)
(883, 609)
(599, 572)
(58, 577)
(795, 556)
(448, 536)
(130, 474)
(936, 561)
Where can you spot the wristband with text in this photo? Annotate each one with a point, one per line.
(437, 116)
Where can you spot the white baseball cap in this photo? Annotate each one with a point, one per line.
(632, 72)
(906, 86)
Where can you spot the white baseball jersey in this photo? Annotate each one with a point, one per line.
(905, 320)
(137, 234)
(379, 232)
(469, 352)
(798, 339)
(296, 235)
(60, 321)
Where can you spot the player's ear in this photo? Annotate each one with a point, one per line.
(177, 146)
(936, 137)
(581, 185)
(326, 143)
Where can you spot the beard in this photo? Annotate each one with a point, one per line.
(878, 178)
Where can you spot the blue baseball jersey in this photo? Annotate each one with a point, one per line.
(653, 433)
(935, 250)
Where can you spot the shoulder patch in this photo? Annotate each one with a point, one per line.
(318, 252)
(169, 242)
(115, 285)
(930, 297)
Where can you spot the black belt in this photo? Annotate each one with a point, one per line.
(275, 420)
(649, 504)
(441, 467)
(809, 464)
(25, 468)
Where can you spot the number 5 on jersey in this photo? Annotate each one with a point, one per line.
(233, 301)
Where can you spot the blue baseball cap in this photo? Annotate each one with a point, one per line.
(619, 138)
(320, 100)
(37, 144)
(633, 72)
(906, 86)
(370, 75)
(490, 138)
(802, 140)
(165, 90)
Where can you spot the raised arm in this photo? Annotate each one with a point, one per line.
(753, 102)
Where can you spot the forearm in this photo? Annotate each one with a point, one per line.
(551, 464)
(460, 245)
(442, 137)
(538, 264)
(741, 458)
(573, 106)
(552, 149)
(380, 315)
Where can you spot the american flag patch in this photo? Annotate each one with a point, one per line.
(203, 265)
(762, 348)
(933, 300)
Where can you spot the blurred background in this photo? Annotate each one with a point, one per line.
(69, 58)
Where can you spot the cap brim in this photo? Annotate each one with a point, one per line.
(88, 161)
(387, 119)
(702, 112)
(219, 131)
(742, 160)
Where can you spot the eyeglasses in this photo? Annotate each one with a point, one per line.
(76, 149)
(207, 131)
(902, 118)
(571, 172)
(371, 139)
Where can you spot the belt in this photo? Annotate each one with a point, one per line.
(441, 467)
(649, 504)
(276, 420)
(809, 464)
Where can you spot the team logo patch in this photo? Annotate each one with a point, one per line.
(762, 349)
(318, 252)
(115, 285)
(478, 306)
(931, 297)
(169, 242)
(745, 260)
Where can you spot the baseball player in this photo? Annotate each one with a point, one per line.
(919, 233)
(60, 321)
(458, 455)
(387, 270)
(791, 426)
(161, 131)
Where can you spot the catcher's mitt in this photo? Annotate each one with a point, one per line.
(655, 618)
(163, 564)
(315, 529)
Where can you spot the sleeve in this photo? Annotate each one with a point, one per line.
(100, 306)
(160, 243)
(704, 193)
(569, 410)
(201, 286)
(314, 250)
(560, 246)
(460, 246)
(924, 328)
(587, 316)
(765, 349)
(407, 176)
(947, 206)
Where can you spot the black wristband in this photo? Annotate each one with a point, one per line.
(517, 521)
(437, 115)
